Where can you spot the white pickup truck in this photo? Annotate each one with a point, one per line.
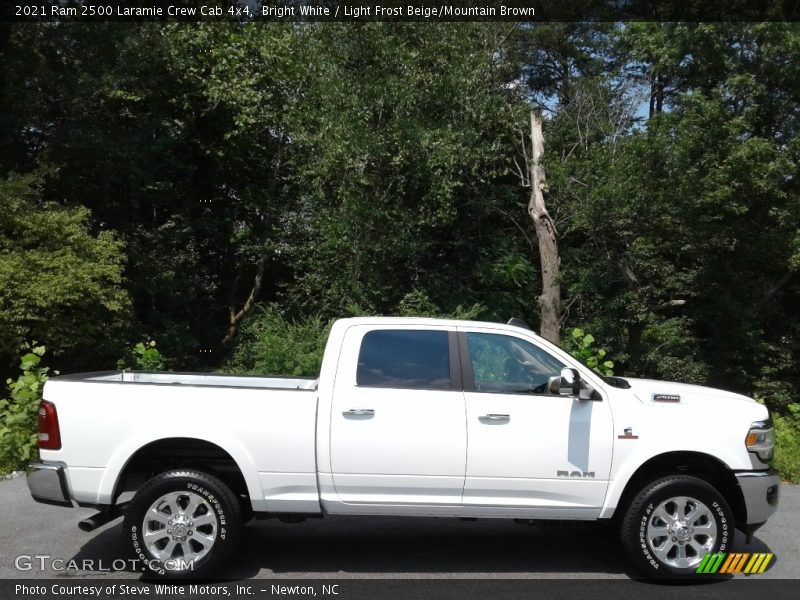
(409, 417)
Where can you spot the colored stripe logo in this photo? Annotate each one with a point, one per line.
(735, 562)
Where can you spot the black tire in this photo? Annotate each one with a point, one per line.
(247, 510)
(218, 501)
(638, 514)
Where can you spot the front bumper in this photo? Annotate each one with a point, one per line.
(761, 492)
(47, 483)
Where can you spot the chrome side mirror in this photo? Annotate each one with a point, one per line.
(573, 386)
(554, 385)
(570, 382)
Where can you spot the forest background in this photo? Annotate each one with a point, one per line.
(227, 190)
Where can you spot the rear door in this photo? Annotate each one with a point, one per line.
(398, 428)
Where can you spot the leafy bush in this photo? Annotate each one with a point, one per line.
(59, 282)
(269, 343)
(581, 345)
(776, 385)
(18, 412)
(669, 352)
(787, 444)
(144, 356)
(418, 304)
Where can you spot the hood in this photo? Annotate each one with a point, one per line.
(668, 392)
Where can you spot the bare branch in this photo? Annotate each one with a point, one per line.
(667, 305)
(523, 178)
(565, 312)
(237, 316)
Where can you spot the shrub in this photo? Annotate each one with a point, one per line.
(269, 343)
(418, 304)
(581, 345)
(144, 356)
(787, 444)
(59, 282)
(18, 412)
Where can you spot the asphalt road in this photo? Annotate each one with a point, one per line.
(374, 548)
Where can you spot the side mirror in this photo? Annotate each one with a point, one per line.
(570, 384)
(554, 385)
(573, 386)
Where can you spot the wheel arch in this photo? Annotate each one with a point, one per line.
(163, 454)
(699, 464)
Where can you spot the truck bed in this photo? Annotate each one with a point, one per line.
(266, 424)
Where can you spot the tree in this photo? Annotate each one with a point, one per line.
(550, 298)
(334, 169)
(171, 137)
(401, 171)
(59, 284)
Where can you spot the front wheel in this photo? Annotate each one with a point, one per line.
(672, 523)
(183, 524)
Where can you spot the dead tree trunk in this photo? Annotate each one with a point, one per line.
(550, 300)
(236, 316)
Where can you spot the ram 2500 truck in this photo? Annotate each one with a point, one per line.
(409, 417)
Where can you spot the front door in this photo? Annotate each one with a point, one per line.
(531, 452)
(398, 430)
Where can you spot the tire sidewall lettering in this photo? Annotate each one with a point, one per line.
(723, 523)
(150, 562)
(212, 500)
(651, 560)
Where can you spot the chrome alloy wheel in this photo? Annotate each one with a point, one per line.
(179, 525)
(681, 531)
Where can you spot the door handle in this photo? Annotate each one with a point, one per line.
(359, 412)
(496, 417)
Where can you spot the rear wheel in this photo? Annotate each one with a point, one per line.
(183, 524)
(672, 523)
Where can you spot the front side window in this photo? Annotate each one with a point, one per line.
(510, 365)
(404, 359)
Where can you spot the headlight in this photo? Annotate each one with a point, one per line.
(761, 439)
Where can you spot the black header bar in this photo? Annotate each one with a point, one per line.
(91, 588)
(432, 11)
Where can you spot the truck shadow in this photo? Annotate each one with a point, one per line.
(414, 545)
(410, 547)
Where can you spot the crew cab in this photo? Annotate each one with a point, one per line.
(409, 417)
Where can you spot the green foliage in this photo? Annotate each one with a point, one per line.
(403, 131)
(682, 210)
(144, 356)
(372, 170)
(774, 387)
(787, 445)
(58, 281)
(581, 345)
(270, 343)
(418, 304)
(669, 351)
(18, 411)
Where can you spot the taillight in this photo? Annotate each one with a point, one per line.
(49, 435)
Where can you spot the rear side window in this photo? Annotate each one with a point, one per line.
(404, 359)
